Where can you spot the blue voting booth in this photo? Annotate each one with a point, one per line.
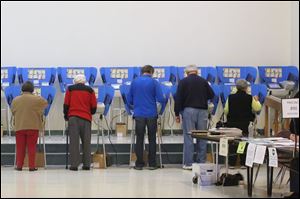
(164, 74)
(105, 95)
(116, 76)
(272, 76)
(47, 92)
(259, 90)
(207, 72)
(124, 90)
(43, 79)
(38, 76)
(67, 74)
(230, 74)
(8, 76)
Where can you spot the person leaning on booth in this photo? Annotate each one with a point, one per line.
(191, 103)
(143, 95)
(240, 109)
(27, 110)
(79, 105)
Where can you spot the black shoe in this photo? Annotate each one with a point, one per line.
(153, 168)
(33, 169)
(18, 169)
(73, 168)
(138, 168)
(86, 168)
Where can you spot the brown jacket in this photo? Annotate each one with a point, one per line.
(28, 110)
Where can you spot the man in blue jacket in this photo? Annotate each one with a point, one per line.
(143, 95)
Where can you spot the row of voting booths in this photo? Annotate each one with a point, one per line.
(276, 80)
(273, 80)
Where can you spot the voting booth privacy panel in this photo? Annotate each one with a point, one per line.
(230, 74)
(163, 74)
(272, 76)
(259, 90)
(66, 75)
(41, 76)
(207, 72)
(118, 75)
(8, 76)
(47, 92)
(105, 95)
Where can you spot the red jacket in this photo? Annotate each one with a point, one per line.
(80, 101)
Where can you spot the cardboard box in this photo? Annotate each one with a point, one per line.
(209, 157)
(121, 129)
(39, 160)
(99, 160)
(145, 157)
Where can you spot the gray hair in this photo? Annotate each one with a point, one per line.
(241, 84)
(79, 79)
(191, 68)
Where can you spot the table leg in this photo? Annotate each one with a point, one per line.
(217, 161)
(276, 123)
(269, 178)
(249, 180)
(266, 121)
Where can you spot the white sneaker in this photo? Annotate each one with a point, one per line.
(187, 167)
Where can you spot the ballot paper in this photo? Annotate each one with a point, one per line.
(260, 154)
(250, 154)
(273, 159)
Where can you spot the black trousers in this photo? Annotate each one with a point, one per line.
(140, 128)
(243, 125)
(294, 176)
(232, 159)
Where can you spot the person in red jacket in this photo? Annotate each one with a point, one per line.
(79, 105)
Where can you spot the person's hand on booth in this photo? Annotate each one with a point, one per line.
(293, 137)
(177, 119)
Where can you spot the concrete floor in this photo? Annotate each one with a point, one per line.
(123, 182)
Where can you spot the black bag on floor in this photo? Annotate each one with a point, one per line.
(230, 180)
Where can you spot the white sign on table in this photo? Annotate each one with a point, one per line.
(223, 147)
(260, 154)
(273, 159)
(250, 154)
(290, 108)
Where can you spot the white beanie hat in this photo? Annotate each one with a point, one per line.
(79, 79)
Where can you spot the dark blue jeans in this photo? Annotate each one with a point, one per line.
(140, 129)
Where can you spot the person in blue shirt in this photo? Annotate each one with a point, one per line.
(144, 93)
